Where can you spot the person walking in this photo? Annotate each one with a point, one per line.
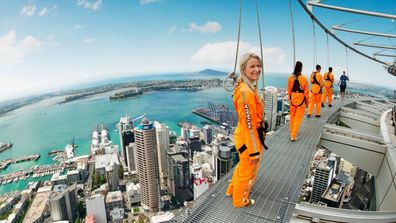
(328, 78)
(316, 92)
(343, 84)
(249, 135)
(298, 94)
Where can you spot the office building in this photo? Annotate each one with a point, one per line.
(114, 200)
(184, 133)
(200, 186)
(162, 135)
(322, 179)
(125, 129)
(270, 106)
(193, 145)
(112, 177)
(148, 171)
(207, 134)
(64, 204)
(96, 207)
(223, 161)
(181, 173)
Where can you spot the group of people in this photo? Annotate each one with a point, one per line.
(250, 132)
(300, 96)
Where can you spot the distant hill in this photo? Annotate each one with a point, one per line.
(213, 72)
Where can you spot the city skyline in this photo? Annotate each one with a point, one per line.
(50, 45)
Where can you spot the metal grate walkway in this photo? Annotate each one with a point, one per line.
(282, 171)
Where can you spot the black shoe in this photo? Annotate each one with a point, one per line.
(308, 116)
(317, 116)
(322, 105)
(330, 105)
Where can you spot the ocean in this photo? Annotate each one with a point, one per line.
(46, 126)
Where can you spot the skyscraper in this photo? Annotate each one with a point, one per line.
(270, 106)
(184, 133)
(146, 150)
(125, 129)
(323, 177)
(64, 204)
(207, 134)
(162, 134)
(112, 177)
(223, 162)
(181, 169)
(193, 145)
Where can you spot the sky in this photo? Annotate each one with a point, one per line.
(49, 45)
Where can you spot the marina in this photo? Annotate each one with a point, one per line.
(34, 172)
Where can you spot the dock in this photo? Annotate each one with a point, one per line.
(5, 163)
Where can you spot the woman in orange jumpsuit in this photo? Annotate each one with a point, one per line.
(298, 94)
(316, 92)
(249, 137)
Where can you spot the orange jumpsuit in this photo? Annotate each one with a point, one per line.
(316, 97)
(328, 77)
(298, 103)
(250, 113)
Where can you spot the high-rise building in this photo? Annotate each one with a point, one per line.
(64, 204)
(96, 207)
(171, 163)
(193, 145)
(131, 154)
(207, 134)
(322, 179)
(195, 132)
(112, 177)
(148, 171)
(270, 106)
(125, 129)
(184, 133)
(200, 186)
(223, 162)
(162, 134)
(181, 171)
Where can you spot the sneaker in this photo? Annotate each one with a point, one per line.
(308, 116)
(330, 105)
(322, 105)
(228, 195)
(317, 116)
(293, 139)
(250, 203)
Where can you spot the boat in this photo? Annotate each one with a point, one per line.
(5, 146)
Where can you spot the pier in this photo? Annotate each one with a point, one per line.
(5, 163)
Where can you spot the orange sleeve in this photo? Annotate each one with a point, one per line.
(332, 78)
(290, 82)
(246, 107)
(306, 89)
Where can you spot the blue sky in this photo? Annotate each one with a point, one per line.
(48, 45)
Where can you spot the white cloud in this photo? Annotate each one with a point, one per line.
(94, 6)
(223, 54)
(89, 40)
(208, 27)
(13, 51)
(28, 10)
(78, 26)
(172, 30)
(43, 11)
(142, 2)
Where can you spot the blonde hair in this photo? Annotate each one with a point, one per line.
(242, 78)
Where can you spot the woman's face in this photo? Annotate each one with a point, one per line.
(253, 69)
